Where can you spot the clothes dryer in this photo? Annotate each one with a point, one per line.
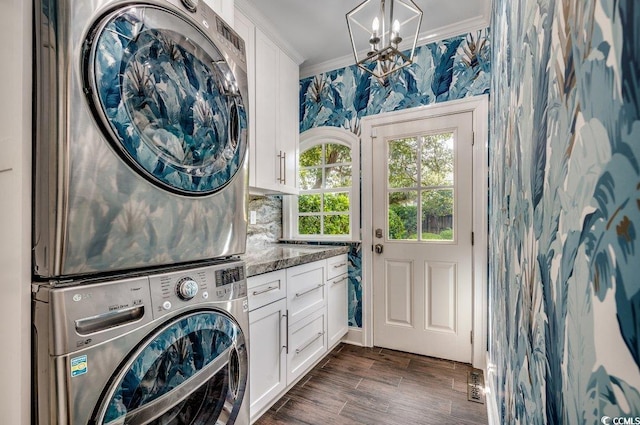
(141, 136)
(164, 349)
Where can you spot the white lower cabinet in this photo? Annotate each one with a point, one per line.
(307, 343)
(296, 315)
(268, 358)
(337, 310)
(337, 299)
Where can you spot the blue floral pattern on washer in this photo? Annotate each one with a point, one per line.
(173, 356)
(173, 109)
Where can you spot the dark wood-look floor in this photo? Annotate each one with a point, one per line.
(356, 385)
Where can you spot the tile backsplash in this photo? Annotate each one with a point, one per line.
(268, 227)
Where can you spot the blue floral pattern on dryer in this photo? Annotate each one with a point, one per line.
(172, 108)
(178, 353)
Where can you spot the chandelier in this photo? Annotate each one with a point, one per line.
(377, 27)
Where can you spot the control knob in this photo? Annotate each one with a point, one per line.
(187, 288)
(191, 5)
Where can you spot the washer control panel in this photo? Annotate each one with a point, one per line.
(175, 290)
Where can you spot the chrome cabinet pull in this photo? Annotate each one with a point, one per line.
(284, 161)
(267, 289)
(299, 294)
(286, 332)
(342, 279)
(281, 157)
(337, 266)
(308, 343)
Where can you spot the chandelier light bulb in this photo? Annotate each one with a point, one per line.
(395, 32)
(375, 26)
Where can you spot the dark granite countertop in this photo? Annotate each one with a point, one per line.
(270, 257)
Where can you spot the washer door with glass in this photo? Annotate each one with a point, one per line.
(192, 371)
(166, 99)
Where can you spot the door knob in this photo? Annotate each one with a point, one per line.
(379, 248)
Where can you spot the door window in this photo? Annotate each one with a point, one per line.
(420, 187)
(167, 99)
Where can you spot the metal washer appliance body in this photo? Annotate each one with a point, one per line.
(168, 348)
(140, 136)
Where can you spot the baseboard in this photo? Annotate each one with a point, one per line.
(491, 395)
(354, 337)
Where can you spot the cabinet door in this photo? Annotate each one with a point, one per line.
(306, 290)
(337, 309)
(307, 344)
(267, 355)
(288, 124)
(245, 28)
(267, 163)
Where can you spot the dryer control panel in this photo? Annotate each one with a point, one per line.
(175, 290)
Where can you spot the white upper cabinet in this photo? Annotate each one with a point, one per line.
(287, 132)
(273, 111)
(224, 8)
(247, 30)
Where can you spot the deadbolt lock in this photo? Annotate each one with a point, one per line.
(378, 233)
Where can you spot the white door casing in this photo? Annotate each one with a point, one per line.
(422, 285)
(478, 106)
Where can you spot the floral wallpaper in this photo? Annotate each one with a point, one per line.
(450, 69)
(565, 195)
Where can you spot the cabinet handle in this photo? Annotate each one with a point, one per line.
(337, 266)
(284, 162)
(342, 279)
(286, 332)
(308, 343)
(299, 294)
(280, 163)
(267, 289)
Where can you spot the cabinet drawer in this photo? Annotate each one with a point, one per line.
(307, 343)
(306, 290)
(337, 266)
(266, 288)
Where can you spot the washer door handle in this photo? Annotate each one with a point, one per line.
(158, 407)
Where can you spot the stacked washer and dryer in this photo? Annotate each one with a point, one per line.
(140, 194)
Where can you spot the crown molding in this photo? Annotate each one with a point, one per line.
(267, 27)
(435, 34)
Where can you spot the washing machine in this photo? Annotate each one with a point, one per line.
(170, 348)
(140, 136)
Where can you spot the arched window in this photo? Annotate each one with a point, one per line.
(328, 204)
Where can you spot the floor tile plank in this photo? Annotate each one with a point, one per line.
(357, 385)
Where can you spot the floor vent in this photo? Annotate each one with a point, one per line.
(475, 386)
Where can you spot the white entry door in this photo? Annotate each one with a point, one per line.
(422, 222)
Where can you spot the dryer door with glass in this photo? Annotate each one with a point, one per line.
(192, 371)
(166, 99)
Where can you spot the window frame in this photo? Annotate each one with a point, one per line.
(309, 139)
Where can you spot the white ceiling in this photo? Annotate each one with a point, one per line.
(317, 30)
